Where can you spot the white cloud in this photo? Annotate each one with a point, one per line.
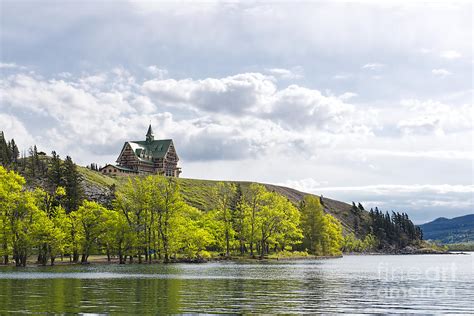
(230, 118)
(8, 65)
(373, 66)
(287, 74)
(381, 189)
(422, 201)
(256, 95)
(429, 154)
(433, 116)
(347, 95)
(441, 72)
(14, 128)
(157, 72)
(420, 125)
(224, 112)
(450, 54)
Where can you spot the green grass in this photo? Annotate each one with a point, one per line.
(97, 178)
(199, 193)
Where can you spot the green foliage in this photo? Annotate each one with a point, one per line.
(150, 220)
(352, 244)
(93, 222)
(286, 254)
(72, 185)
(322, 232)
(17, 212)
(394, 231)
(461, 247)
(225, 193)
(9, 152)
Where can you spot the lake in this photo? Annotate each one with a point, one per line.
(357, 284)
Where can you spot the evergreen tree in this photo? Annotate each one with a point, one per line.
(72, 184)
(54, 173)
(5, 154)
(394, 230)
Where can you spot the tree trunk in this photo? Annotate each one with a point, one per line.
(262, 248)
(227, 244)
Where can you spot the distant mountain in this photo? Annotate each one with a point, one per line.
(449, 231)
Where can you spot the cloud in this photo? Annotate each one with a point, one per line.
(234, 94)
(14, 128)
(435, 117)
(256, 95)
(226, 69)
(423, 202)
(441, 72)
(287, 74)
(373, 66)
(420, 125)
(427, 154)
(450, 54)
(347, 95)
(8, 65)
(299, 107)
(342, 76)
(235, 117)
(157, 72)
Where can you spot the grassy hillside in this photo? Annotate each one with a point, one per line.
(449, 231)
(198, 193)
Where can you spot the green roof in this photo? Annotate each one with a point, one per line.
(124, 168)
(118, 167)
(155, 148)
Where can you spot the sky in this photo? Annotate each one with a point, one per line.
(367, 101)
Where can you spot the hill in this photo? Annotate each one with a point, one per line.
(198, 193)
(449, 231)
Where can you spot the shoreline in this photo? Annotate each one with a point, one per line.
(114, 261)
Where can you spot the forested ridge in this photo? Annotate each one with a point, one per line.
(149, 219)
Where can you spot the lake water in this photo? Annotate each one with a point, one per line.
(357, 284)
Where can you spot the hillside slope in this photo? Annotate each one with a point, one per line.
(198, 193)
(456, 230)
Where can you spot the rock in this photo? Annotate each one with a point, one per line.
(101, 195)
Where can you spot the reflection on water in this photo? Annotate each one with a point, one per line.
(376, 284)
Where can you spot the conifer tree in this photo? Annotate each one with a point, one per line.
(5, 155)
(54, 172)
(72, 185)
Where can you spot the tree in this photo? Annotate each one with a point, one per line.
(167, 205)
(238, 217)
(334, 232)
(72, 184)
(150, 206)
(225, 193)
(92, 219)
(312, 223)
(322, 232)
(5, 154)
(14, 152)
(54, 174)
(278, 223)
(48, 235)
(253, 202)
(191, 234)
(17, 208)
